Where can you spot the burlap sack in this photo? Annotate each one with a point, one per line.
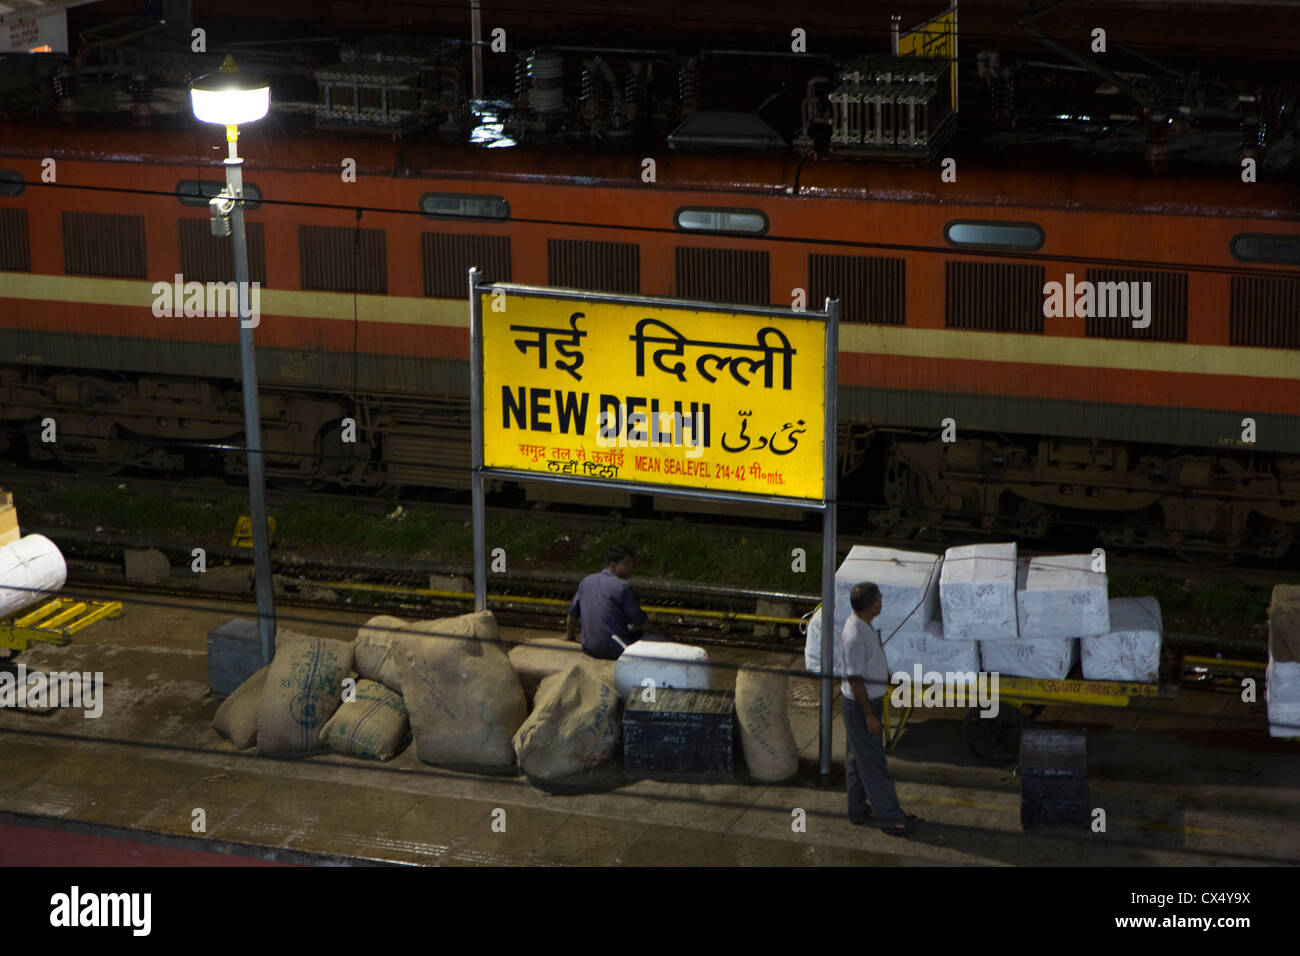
(374, 650)
(463, 696)
(378, 642)
(765, 735)
(574, 725)
(236, 718)
(372, 725)
(534, 661)
(303, 689)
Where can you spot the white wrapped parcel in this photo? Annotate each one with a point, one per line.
(929, 648)
(30, 569)
(683, 666)
(1050, 659)
(1283, 678)
(1131, 651)
(909, 591)
(977, 592)
(1059, 595)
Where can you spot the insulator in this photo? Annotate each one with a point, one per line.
(688, 101)
(546, 95)
(521, 83)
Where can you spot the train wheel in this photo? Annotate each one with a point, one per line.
(994, 740)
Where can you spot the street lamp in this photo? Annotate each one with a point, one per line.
(230, 98)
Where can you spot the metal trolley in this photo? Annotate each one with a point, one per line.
(996, 740)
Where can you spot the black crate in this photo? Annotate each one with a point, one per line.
(680, 732)
(1059, 752)
(234, 655)
(1053, 784)
(1053, 800)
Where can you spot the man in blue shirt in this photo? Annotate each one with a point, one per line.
(611, 615)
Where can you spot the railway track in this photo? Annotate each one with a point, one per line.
(1137, 563)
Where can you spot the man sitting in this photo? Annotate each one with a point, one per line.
(611, 615)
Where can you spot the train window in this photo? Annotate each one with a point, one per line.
(197, 192)
(993, 297)
(1266, 247)
(103, 244)
(1120, 295)
(980, 234)
(11, 182)
(207, 258)
(331, 259)
(464, 206)
(597, 266)
(1263, 312)
(701, 219)
(722, 275)
(870, 288)
(15, 250)
(447, 257)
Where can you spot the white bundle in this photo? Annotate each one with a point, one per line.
(1050, 659)
(1131, 651)
(1060, 595)
(30, 569)
(929, 648)
(977, 591)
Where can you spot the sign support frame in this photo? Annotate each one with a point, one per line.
(827, 505)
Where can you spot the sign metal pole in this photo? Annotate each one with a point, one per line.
(828, 538)
(476, 440)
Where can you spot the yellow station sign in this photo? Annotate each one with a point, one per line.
(652, 394)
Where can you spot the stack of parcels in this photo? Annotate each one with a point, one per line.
(1283, 680)
(1131, 651)
(909, 591)
(1059, 599)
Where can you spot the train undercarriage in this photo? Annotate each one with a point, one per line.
(1190, 501)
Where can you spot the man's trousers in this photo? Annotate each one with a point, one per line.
(864, 766)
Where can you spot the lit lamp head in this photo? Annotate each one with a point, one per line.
(229, 98)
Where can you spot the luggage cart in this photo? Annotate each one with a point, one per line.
(53, 622)
(996, 740)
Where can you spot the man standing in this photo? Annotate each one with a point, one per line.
(863, 689)
(611, 615)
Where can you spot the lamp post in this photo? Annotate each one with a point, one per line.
(230, 98)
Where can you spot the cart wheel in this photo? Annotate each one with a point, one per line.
(994, 740)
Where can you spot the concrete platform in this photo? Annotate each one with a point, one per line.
(1192, 781)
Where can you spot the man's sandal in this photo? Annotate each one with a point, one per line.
(905, 829)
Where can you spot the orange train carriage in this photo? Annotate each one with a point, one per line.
(363, 315)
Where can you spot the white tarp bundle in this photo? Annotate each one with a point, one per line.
(667, 664)
(1049, 659)
(931, 650)
(1131, 651)
(31, 568)
(909, 593)
(977, 591)
(908, 582)
(1059, 595)
(1283, 678)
